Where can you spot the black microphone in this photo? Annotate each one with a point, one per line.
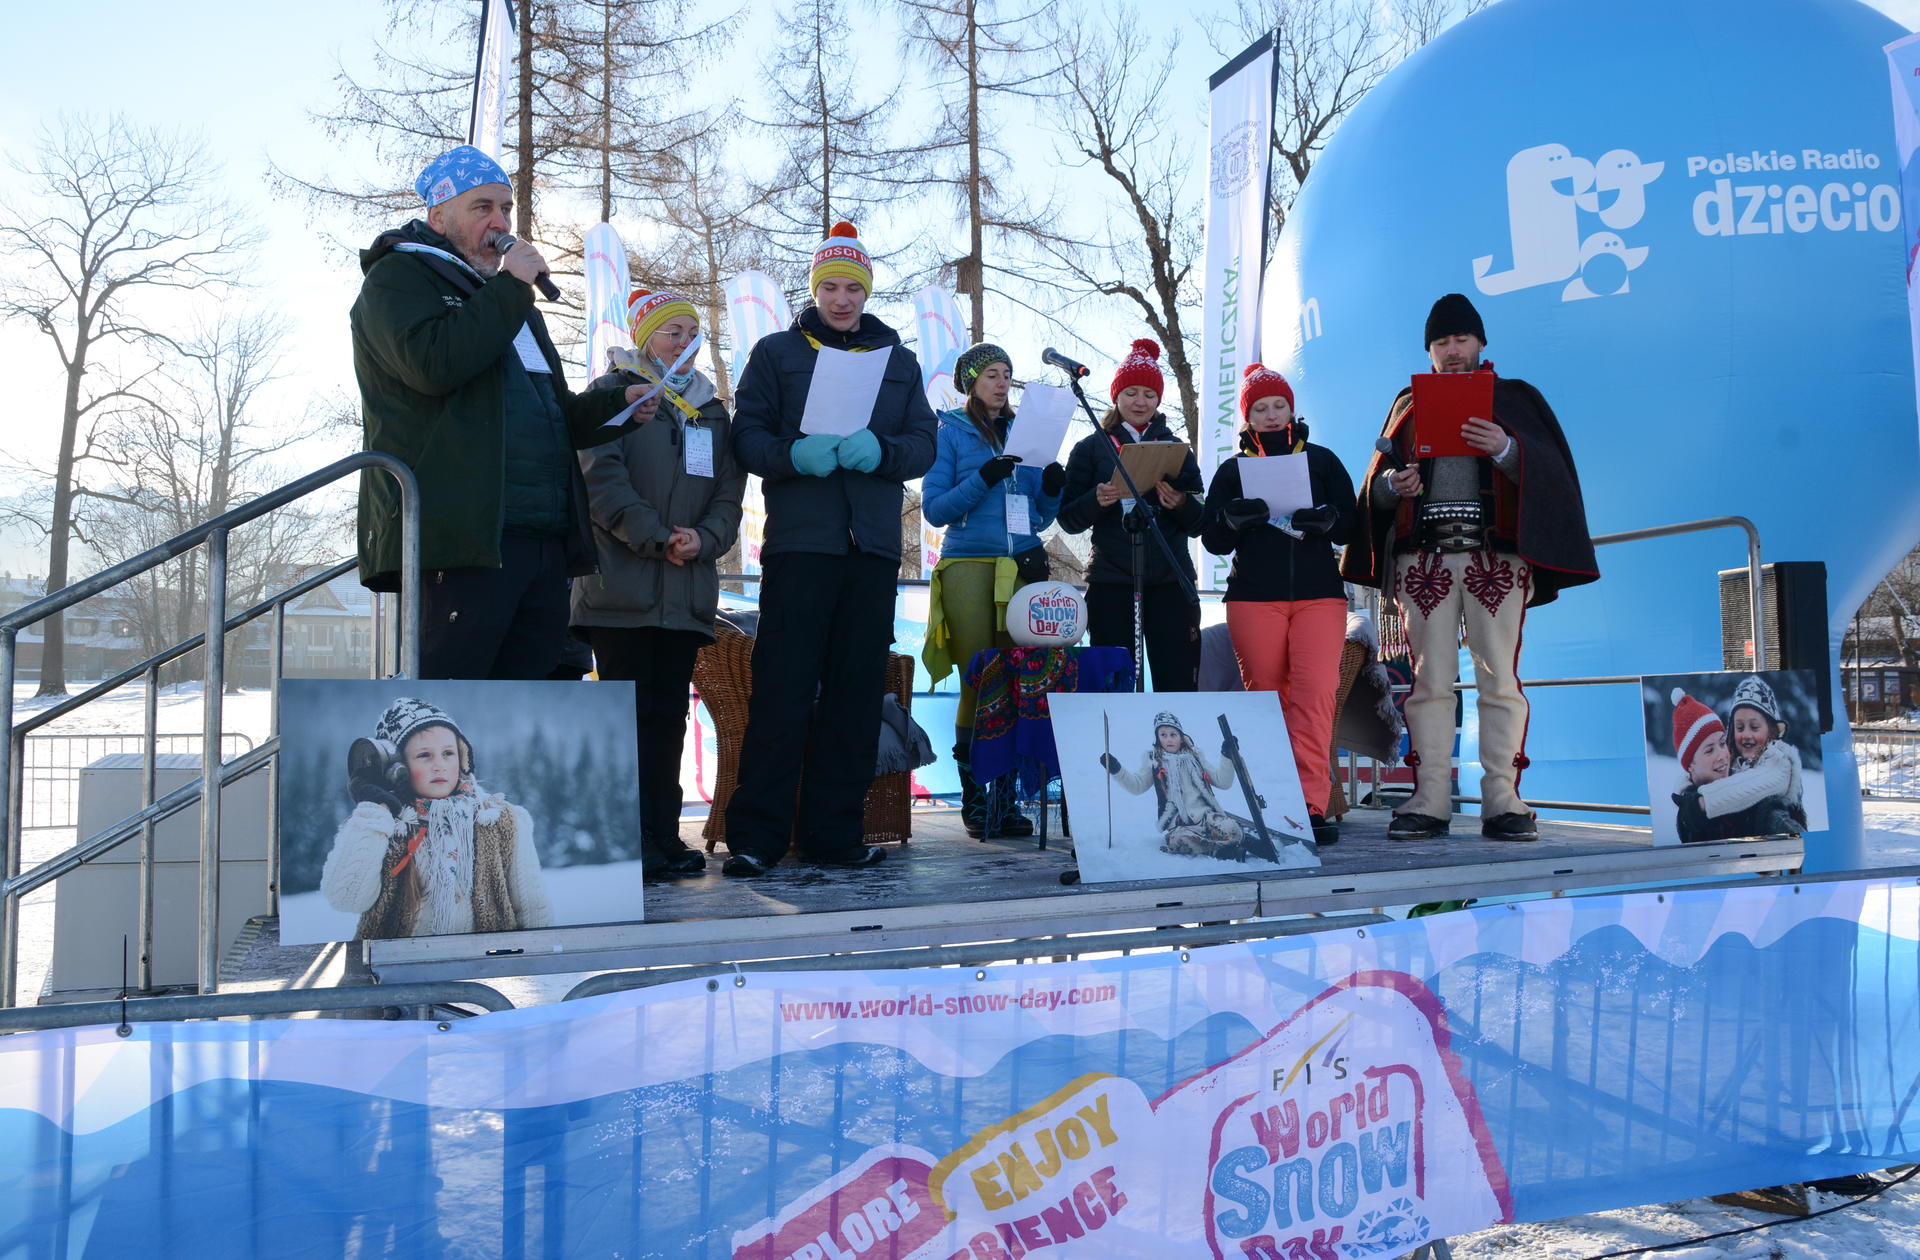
(544, 282)
(1392, 456)
(1053, 358)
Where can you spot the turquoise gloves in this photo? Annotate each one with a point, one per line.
(813, 455)
(860, 452)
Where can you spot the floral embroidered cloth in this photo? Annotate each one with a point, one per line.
(1012, 727)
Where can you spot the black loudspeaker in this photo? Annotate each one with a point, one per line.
(1793, 606)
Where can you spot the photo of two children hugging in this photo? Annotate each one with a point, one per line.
(1739, 755)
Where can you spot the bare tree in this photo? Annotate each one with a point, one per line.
(617, 71)
(703, 210)
(1330, 53)
(978, 56)
(1111, 118)
(108, 214)
(593, 82)
(191, 447)
(838, 157)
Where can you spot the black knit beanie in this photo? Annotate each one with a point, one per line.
(1453, 314)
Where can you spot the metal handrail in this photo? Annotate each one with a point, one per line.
(1754, 585)
(124, 1013)
(213, 535)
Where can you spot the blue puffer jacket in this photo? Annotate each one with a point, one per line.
(974, 513)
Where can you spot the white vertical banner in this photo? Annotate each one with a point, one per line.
(607, 291)
(936, 313)
(491, 72)
(1903, 61)
(1239, 122)
(756, 308)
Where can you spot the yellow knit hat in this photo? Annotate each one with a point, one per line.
(647, 311)
(841, 254)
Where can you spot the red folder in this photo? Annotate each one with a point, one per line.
(1442, 402)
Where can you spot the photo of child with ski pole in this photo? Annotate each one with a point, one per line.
(1184, 802)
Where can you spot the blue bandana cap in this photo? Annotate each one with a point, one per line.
(455, 171)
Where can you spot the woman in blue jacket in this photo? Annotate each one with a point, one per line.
(993, 511)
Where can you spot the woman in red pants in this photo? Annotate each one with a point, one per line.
(1286, 606)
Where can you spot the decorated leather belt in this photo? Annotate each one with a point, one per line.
(1451, 527)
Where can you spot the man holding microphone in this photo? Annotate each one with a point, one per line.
(459, 379)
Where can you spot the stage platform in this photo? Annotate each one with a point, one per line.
(944, 889)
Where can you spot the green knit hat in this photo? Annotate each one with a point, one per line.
(975, 360)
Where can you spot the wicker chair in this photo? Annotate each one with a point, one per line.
(723, 675)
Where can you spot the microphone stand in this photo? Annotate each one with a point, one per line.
(1140, 522)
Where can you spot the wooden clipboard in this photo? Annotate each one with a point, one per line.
(1149, 462)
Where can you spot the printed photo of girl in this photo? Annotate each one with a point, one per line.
(1740, 759)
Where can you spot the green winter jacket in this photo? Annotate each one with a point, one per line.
(429, 348)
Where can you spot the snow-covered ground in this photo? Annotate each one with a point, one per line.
(1887, 1225)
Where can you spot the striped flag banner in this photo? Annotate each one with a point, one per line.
(942, 337)
(492, 69)
(755, 308)
(607, 290)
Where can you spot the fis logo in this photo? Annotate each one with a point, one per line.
(1564, 217)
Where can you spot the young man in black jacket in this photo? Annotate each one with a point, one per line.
(830, 560)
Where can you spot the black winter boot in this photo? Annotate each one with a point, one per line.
(1004, 810)
(973, 799)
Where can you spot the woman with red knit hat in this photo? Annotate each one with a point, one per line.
(1286, 605)
(1171, 621)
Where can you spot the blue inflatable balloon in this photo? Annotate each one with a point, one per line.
(1681, 221)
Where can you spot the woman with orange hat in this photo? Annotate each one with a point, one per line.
(665, 505)
(1286, 605)
(1090, 501)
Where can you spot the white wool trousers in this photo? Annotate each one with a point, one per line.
(1486, 592)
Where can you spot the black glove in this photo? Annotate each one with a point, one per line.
(1229, 748)
(997, 469)
(1690, 813)
(371, 775)
(1246, 513)
(1111, 762)
(1314, 522)
(368, 790)
(1053, 478)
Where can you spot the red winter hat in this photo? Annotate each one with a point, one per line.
(1693, 722)
(1260, 382)
(1140, 367)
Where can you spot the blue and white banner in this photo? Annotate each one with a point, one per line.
(756, 308)
(943, 335)
(1349, 1094)
(492, 72)
(1903, 61)
(1239, 125)
(608, 289)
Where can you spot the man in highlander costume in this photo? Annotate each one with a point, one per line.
(1471, 541)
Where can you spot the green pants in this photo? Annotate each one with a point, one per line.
(974, 620)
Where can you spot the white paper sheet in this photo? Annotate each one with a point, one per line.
(1281, 480)
(845, 387)
(1040, 427)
